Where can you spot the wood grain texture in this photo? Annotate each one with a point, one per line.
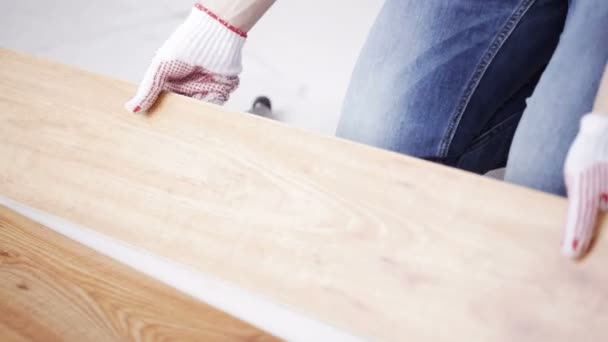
(54, 289)
(377, 243)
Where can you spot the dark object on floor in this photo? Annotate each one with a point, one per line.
(262, 107)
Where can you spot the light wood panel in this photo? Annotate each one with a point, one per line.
(54, 289)
(380, 244)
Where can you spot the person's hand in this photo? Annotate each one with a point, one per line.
(201, 59)
(586, 176)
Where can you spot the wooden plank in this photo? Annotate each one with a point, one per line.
(261, 312)
(377, 243)
(54, 289)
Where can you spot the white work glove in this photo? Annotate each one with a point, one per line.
(586, 175)
(201, 59)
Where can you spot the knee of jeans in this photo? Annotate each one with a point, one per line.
(376, 115)
(390, 111)
(390, 129)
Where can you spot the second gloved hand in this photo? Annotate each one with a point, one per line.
(201, 59)
(586, 173)
(586, 176)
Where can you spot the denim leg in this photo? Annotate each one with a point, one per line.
(435, 76)
(564, 93)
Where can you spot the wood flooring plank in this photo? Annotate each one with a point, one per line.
(54, 289)
(382, 245)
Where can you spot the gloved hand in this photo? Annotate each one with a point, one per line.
(586, 175)
(201, 59)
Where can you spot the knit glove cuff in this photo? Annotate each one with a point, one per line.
(591, 143)
(205, 40)
(594, 124)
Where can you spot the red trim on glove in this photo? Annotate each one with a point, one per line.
(222, 21)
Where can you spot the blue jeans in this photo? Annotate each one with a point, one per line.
(480, 84)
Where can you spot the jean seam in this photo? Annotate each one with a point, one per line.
(479, 72)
